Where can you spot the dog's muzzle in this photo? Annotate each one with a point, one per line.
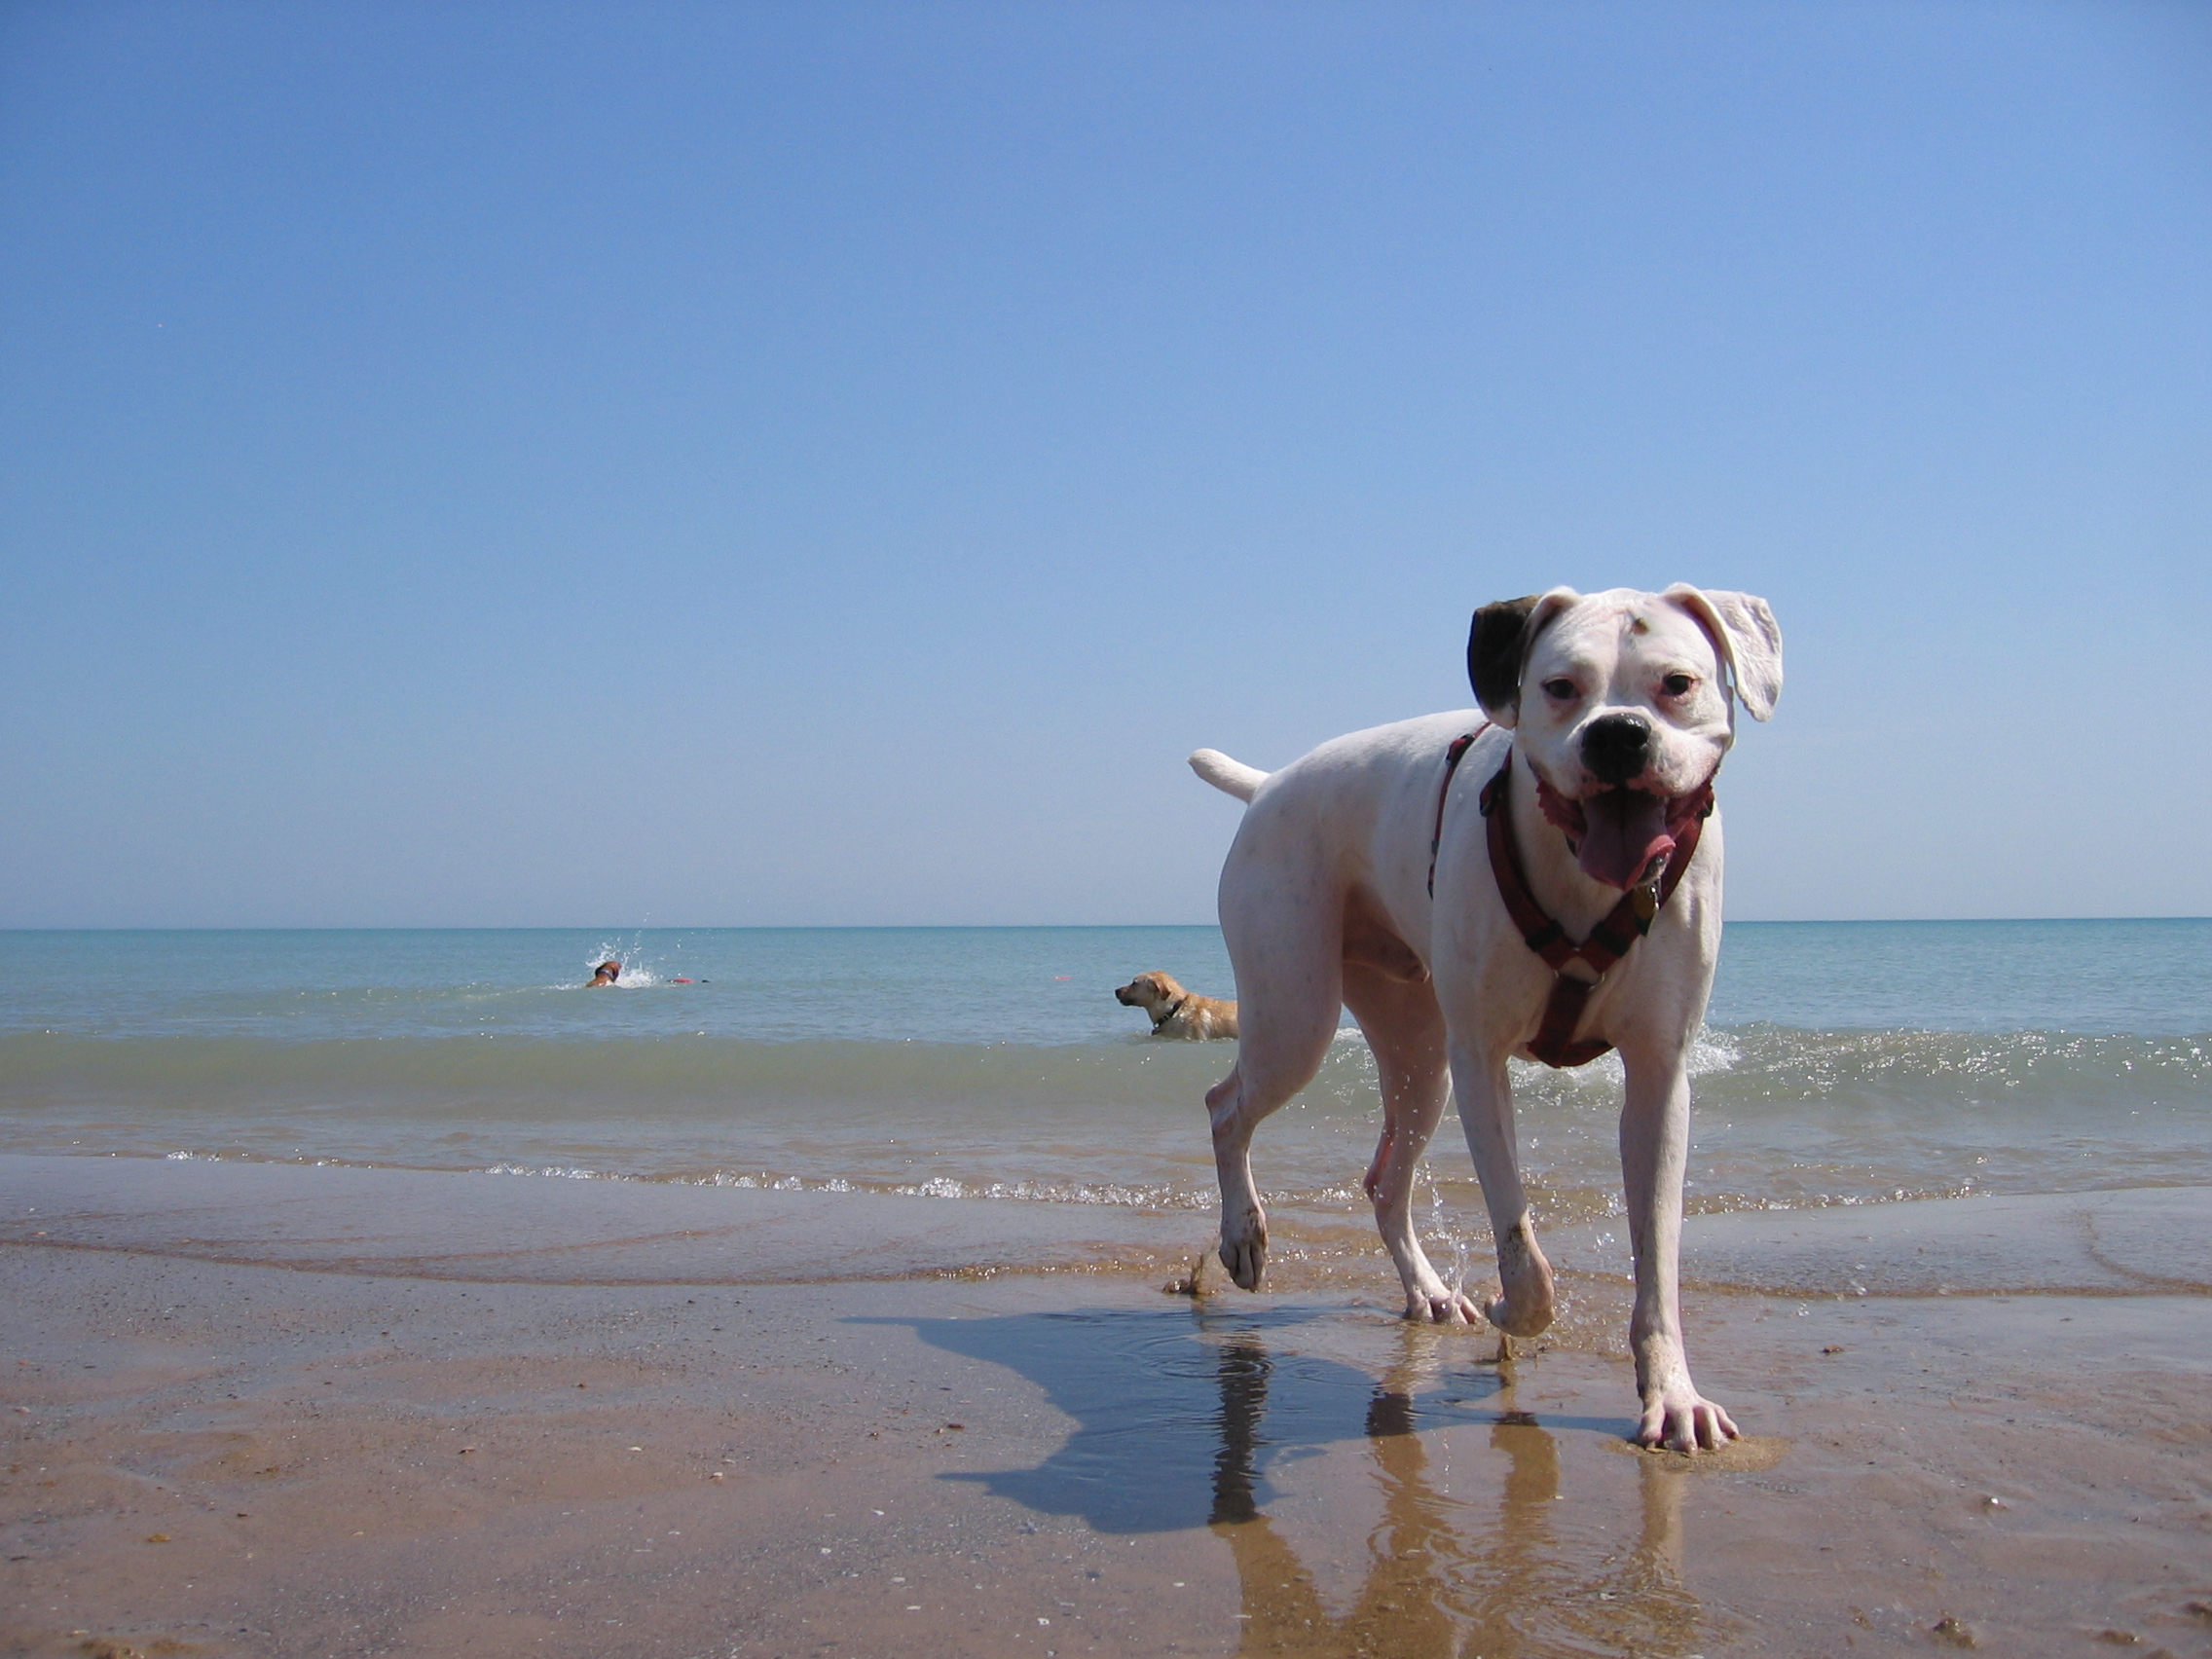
(1619, 836)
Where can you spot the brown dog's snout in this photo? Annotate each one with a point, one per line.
(1121, 996)
(1616, 748)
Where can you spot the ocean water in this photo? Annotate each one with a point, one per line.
(1842, 1063)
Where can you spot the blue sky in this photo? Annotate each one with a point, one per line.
(815, 463)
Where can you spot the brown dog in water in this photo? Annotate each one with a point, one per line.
(1175, 1012)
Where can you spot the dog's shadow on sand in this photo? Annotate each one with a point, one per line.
(1180, 1414)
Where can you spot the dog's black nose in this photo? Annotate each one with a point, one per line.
(1615, 747)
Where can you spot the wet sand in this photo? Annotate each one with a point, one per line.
(266, 1410)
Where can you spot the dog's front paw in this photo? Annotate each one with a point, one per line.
(1245, 1249)
(1529, 1301)
(1520, 1321)
(1682, 1419)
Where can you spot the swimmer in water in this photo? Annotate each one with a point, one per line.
(605, 974)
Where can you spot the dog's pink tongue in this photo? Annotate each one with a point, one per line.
(1627, 829)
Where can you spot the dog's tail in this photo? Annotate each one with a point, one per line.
(1230, 777)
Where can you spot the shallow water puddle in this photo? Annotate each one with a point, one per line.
(1375, 1488)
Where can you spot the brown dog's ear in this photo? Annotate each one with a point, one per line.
(1497, 649)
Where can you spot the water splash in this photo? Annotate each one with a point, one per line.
(640, 971)
(1445, 1229)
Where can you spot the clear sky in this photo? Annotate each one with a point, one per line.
(826, 464)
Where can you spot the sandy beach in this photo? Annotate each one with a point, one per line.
(629, 624)
(284, 1410)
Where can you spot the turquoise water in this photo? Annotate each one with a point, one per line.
(1843, 1062)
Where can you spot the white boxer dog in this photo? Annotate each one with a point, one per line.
(1542, 882)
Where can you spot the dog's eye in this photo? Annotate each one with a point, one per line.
(1561, 689)
(1679, 684)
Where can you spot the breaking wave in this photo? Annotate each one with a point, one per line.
(1785, 1118)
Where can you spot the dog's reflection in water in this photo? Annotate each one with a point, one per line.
(1183, 1422)
(1442, 1577)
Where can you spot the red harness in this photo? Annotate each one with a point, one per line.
(1614, 936)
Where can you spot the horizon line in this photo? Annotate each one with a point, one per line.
(949, 927)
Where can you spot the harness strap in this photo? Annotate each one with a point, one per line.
(1554, 1042)
(1614, 936)
(1452, 758)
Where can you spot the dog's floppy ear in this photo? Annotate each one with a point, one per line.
(1497, 649)
(1746, 634)
(1494, 653)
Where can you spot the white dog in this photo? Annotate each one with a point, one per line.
(1435, 876)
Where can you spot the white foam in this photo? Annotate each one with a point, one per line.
(553, 1172)
(1710, 1052)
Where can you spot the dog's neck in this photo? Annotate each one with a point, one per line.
(1159, 1020)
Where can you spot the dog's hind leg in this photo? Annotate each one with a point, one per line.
(1486, 1113)
(1252, 1089)
(1290, 993)
(1405, 1030)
